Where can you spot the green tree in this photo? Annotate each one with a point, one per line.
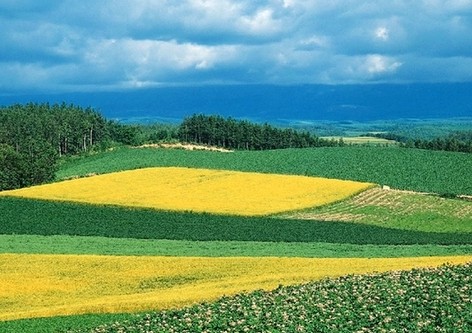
(11, 165)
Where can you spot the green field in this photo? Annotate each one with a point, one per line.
(373, 224)
(163, 247)
(36, 217)
(362, 140)
(407, 169)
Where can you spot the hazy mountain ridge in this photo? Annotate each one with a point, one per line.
(274, 103)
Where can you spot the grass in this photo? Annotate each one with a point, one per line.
(408, 169)
(198, 190)
(38, 217)
(400, 210)
(62, 323)
(50, 285)
(34, 244)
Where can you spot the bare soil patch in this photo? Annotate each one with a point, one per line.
(186, 146)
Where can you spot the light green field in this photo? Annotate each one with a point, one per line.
(397, 209)
(58, 244)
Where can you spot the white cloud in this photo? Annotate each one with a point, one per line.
(382, 33)
(156, 61)
(377, 64)
(261, 22)
(145, 42)
(288, 3)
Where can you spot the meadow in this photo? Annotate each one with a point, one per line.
(104, 259)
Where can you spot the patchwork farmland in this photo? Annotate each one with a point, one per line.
(305, 239)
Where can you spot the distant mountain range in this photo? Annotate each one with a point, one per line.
(274, 103)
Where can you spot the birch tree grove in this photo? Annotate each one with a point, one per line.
(33, 136)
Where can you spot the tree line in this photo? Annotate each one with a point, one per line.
(242, 134)
(34, 136)
(460, 141)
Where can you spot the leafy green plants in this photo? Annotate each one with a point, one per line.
(419, 300)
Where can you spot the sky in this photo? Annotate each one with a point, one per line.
(90, 45)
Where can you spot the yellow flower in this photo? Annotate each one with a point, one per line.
(199, 190)
(50, 285)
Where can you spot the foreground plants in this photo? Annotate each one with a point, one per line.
(420, 300)
(33, 286)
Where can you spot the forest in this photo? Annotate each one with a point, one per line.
(242, 134)
(34, 136)
(459, 141)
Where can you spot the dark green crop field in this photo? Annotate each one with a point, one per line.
(409, 169)
(36, 217)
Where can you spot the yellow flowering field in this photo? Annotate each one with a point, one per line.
(50, 285)
(199, 190)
